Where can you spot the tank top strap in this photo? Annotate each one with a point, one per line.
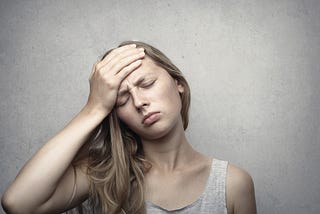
(216, 185)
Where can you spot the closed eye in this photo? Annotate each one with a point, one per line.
(122, 101)
(147, 84)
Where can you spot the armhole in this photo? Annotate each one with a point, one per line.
(74, 189)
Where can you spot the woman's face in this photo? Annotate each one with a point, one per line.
(149, 101)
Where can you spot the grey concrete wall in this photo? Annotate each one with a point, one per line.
(253, 67)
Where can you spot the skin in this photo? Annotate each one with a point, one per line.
(179, 173)
(150, 89)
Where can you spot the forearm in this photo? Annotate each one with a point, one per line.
(38, 179)
(43, 173)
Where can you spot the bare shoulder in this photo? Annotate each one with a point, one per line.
(240, 191)
(238, 179)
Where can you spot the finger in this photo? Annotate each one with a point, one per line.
(116, 52)
(119, 62)
(119, 56)
(117, 66)
(128, 70)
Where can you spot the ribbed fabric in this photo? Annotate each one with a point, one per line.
(211, 201)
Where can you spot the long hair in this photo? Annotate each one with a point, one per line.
(116, 164)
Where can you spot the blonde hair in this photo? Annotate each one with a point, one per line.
(116, 163)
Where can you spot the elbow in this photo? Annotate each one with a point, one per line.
(7, 203)
(10, 205)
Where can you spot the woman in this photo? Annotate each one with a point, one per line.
(126, 150)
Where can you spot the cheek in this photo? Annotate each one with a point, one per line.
(171, 94)
(123, 114)
(166, 89)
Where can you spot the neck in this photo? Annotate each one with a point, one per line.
(170, 153)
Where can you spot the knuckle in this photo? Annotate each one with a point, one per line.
(98, 72)
(115, 52)
(121, 55)
(126, 69)
(111, 84)
(98, 67)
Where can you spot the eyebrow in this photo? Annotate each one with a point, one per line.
(137, 82)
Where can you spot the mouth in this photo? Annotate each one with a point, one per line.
(150, 118)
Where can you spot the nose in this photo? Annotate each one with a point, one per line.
(139, 99)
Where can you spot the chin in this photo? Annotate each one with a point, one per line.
(158, 130)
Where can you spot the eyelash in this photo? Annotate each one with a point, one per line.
(148, 84)
(122, 104)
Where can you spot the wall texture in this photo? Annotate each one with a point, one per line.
(253, 67)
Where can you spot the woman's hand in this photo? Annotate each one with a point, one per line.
(108, 73)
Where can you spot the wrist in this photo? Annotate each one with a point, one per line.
(95, 111)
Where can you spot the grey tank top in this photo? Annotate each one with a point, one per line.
(211, 201)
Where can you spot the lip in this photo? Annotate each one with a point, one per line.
(150, 118)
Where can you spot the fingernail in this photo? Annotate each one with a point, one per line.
(133, 45)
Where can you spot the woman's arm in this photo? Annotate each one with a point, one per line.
(45, 184)
(40, 178)
(240, 192)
